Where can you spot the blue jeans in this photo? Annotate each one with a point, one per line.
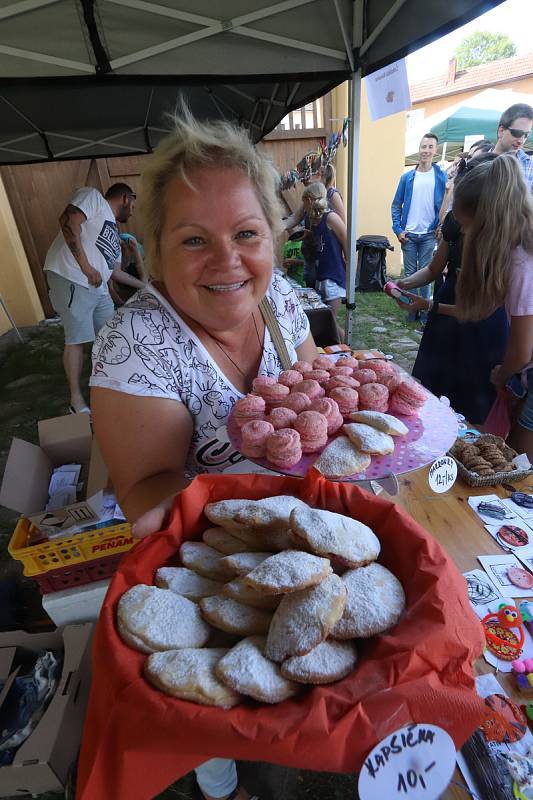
(417, 253)
(217, 777)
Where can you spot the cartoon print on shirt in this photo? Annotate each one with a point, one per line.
(146, 330)
(141, 380)
(114, 349)
(221, 408)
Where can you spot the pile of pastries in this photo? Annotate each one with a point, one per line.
(485, 456)
(280, 420)
(270, 600)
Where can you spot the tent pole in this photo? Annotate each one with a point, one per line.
(354, 112)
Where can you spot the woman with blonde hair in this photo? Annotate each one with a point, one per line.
(170, 365)
(328, 176)
(329, 238)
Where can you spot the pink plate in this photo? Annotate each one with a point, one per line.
(430, 435)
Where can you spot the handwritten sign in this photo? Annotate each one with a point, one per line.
(415, 762)
(387, 90)
(442, 474)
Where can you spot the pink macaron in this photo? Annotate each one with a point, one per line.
(311, 388)
(345, 398)
(274, 394)
(261, 381)
(290, 377)
(323, 362)
(313, 430)
(400, 407)
(284, 448)
(411, 392)
(330, 410)
(282, 417)
(343, 381)
(347, 361)
(321, 376)
(373, 397)
(365, 375)
(346, 371)
(297, 401)
(302, 366)
(248, 408)
(254, 437)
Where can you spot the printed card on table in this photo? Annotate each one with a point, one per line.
(511, 534)
(525, 513)
(493, 499)
(497, 568)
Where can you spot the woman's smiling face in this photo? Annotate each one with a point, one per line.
(216, 249)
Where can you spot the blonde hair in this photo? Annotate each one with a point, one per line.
(496, 196)
(328, 175)
(317, 193)
(191, 145)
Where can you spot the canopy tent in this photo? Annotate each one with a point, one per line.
(478, 116)
(91, 78)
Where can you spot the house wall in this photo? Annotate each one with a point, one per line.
(442, 103)
(17, 287)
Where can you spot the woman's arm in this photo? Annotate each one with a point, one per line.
(420, 304)
(296, 217)
(336, 224)
(429, 273)
(144, 443)
(307, 350)
(337, 206)
(519, 350)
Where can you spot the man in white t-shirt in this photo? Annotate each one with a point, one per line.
(415, 211)
(79, 265)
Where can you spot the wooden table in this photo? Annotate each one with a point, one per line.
(449, 518)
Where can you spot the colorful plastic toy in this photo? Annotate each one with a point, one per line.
(500, 638)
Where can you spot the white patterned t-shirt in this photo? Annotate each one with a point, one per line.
(146, 349)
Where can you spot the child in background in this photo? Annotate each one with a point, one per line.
(329, 236)
(293, 260)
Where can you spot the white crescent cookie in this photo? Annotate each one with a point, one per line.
(225, 542)
(368, 439)
(288, 571)
(190, 675)
(304, 619)
(375, 602)
(186, 582)
(385, 423)
(270, 513)
(327, 662)
(334, 535)
(160, 619)
(259, 540)
(233, 617)
(341, 458)
(246, 670)
(239, 591)
(242, 563)
(203, 559)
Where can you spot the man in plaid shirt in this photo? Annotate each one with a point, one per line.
(513, 131)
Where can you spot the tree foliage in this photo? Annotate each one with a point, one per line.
(482, 47)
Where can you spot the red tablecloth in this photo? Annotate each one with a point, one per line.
(137, 740)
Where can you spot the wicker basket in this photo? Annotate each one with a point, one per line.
(473, 479)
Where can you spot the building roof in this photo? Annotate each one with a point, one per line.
(502, 71)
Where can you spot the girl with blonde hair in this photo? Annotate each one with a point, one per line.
(328, 176)
(329, 237)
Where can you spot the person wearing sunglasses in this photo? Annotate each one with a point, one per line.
(80, 263)
(514, 130)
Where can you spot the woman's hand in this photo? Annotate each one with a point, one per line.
(405, 283)
(153, 520)
(417, 303)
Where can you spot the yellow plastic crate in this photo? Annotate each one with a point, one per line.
(82, 547)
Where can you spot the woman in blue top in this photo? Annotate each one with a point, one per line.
(329, 238)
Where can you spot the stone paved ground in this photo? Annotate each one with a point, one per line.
(32, 387)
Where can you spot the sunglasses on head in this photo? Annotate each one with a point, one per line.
(516, 133)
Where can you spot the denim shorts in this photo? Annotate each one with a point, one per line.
(83, 309)
(526, 417)
(329, 290)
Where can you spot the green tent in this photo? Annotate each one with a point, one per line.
(466, 121)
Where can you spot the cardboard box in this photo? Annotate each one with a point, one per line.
(79, 604)
(62, 440)
(42, 762)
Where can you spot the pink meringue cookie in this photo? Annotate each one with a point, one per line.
(260, 382)
(330, 410)
(313, 430)
(373, 397)
(323, 362)
(343, 381)
(274, 394)
(347, 361)
(282, 417)
(302, 366)
(321, 376)
(311, 388)
(290, 377)
(347, 371)
(297, 401)
(254, 438)
(283, 448)
(248, 408)
(345, 398)
(364, 375)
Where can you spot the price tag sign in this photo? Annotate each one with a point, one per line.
(442, 474)
(415, 762)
